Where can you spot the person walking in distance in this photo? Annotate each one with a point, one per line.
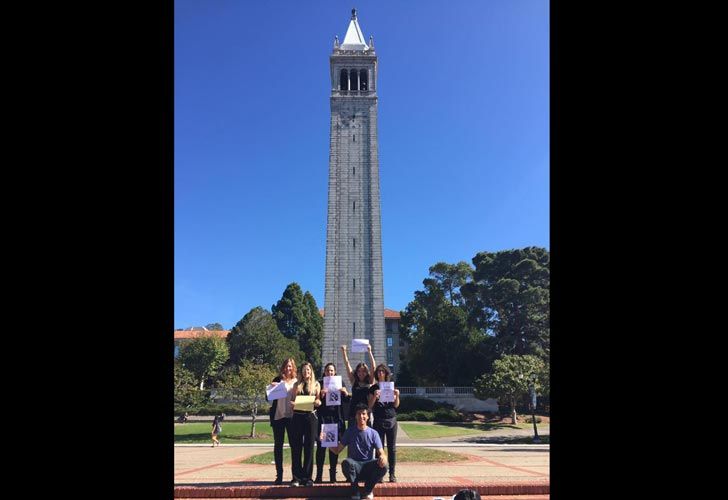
(216, 430)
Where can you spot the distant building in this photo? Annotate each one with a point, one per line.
(394, 352)
(395, 348)
(187, 335)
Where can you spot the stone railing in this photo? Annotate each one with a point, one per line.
(424, 392)
(463, 398)
(352, 93)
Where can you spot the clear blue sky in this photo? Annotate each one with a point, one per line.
(463, 142)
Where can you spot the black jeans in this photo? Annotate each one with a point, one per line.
(304, 434)
(391, 437)
(280, 428)
(321, 451)
(367, 471)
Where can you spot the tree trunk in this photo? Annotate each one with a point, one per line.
(202, 383)
(514, 417)
(255, 413)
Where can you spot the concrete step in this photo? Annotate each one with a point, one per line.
(499, 490)
(487, 497)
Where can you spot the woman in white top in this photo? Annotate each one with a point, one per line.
(281, 414)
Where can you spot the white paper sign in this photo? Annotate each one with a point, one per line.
(359, 345)
(333, 394)
(276, 392)
(330, 435)
(386, 392)
(332, 383)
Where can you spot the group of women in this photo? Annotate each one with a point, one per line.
(304, 427)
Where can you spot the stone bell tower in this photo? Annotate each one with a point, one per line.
(354, 297)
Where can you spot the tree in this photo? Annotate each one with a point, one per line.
(511, 289)
(313, 338)
(450, 277)
(204, 356)
(186, 392)
(444, 346)
(245, 384)
(214, 326)
(510, 380)
(256, 338)
(298, 318)
(290, 313)
(404, 376)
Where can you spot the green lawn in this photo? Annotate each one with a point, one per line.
(232, 432)
(403, 455)
(436, 430)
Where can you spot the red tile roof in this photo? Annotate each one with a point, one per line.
(388, 313)
(194, 334)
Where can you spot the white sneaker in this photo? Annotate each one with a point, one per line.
(370, 496)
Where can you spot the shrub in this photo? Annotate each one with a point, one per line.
(216, 409)
(409, 404)
(440, 415)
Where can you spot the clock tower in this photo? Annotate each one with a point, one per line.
(353, 297)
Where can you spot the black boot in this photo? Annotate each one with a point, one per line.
(332, 475)
(319, 475)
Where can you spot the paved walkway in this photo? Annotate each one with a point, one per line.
(200, 465)
(220, 466)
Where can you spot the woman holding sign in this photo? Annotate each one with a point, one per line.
(361, 379)
(383, 399)
(304, 426)
(281, 414)
(329, 414)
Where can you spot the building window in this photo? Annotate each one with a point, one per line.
(363, 79)
(344, 80)
(354, 327)
(354, 281)
(354, 240)
(389, 341)
(389, 355)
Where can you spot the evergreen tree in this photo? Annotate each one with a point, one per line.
(256, 338)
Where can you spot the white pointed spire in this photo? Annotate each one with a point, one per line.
(354, 39)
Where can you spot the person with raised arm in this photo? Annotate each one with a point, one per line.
(361, 379)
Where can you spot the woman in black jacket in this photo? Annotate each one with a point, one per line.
(329, 415)
(281, 414)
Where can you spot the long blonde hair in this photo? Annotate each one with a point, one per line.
(309, 384)
(283, 367)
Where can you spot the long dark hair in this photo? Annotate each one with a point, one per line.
(387, 373)
(323, 372)
(356, 374)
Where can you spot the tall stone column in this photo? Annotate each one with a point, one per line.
(354, 296)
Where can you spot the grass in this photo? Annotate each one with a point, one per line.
(443, 429)
(232, 432)
(403, 455)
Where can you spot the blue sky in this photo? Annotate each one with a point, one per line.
(463, 142)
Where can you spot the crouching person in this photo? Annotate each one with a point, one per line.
(361, 464)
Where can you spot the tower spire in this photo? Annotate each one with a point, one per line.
(354, 39)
